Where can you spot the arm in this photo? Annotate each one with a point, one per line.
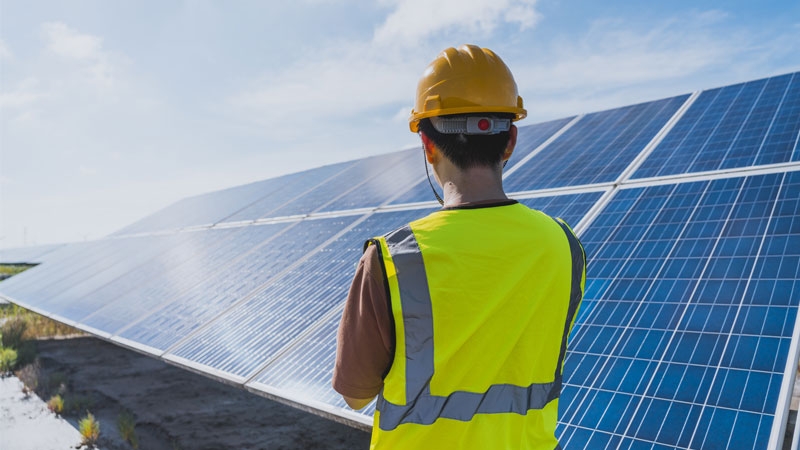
(364, 342)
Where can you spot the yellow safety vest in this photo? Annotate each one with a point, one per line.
(483, 300)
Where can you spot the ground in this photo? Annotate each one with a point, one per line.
(173, 408)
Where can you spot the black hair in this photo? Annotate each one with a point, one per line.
(469, 150)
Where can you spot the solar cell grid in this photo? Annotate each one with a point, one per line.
(165, 277)
(735, 126)
(234, 203)
(321, 191)
(597, 148)
(380, 183)
(122, 257)
(239, 279)
(288, 306)
(46, 273)
(305, 370)
(80, 261)
(658, 338)
(571, 208)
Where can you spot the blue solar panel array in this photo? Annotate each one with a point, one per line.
(597, 148)
(687, 336)
(682, 318)
(747, 124)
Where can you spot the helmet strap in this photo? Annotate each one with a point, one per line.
(436, 194)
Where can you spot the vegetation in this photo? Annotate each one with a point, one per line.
(12, 331)
(8, 360)
(56, 404)
(78, 404)
(89, 428)
(35, 325)
(56, 383)
(126, 424)
(29, 375)
(8, 270)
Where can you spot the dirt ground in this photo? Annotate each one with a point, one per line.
(174, 408)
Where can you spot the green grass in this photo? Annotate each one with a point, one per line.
(13, 269)
(56, 404)
(89, 428)
(8, 360)
(126, 424)
(35, 325)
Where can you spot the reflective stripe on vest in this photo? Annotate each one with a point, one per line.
(424, 408)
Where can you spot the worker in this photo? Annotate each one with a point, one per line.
(458, 322)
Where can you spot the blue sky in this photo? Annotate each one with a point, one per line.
(110, 111)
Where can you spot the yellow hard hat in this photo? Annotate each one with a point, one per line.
(466, 80)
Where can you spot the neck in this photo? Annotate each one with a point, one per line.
(476, 184)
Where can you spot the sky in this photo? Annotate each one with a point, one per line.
(110, 111)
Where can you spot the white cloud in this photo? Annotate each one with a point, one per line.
(360, 77)
(24, 94)
(97, 66)
(402, 114)
(69, 43)
(5, 52)
(413, 21)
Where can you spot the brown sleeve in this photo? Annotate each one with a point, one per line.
(364, 343)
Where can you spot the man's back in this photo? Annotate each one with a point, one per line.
(479, 349)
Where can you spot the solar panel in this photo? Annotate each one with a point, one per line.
(29, 255)
(382, 183)
(570, 207)
(62, 266)
(361, 176)
(685, 338)
(214, 207)
(186, 311)
(355, 177)
(287, 307)
(742, 125)
(303, 372)
(597, 148)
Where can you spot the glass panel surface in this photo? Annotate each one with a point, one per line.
(596, 149)
(742, 125)
(689, 310)
(234, 282)
(250, 335)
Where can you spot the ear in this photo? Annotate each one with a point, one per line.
(512, 142)
(431, 152)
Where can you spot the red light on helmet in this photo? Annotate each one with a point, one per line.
(470, 125)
